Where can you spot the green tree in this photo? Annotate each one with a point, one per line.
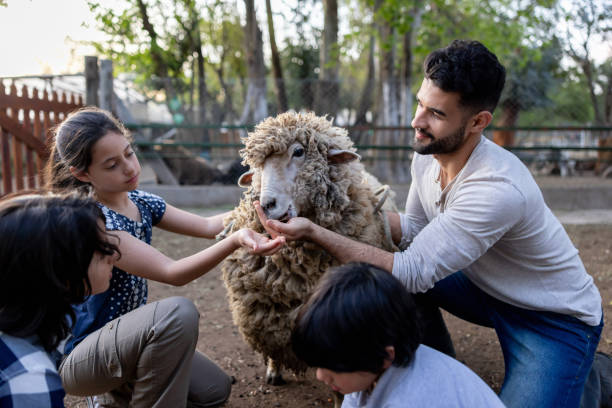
(178, 49)
(591, 20)
(520, 34)
(531, 73)
(328, 88)
(146, 38)
(255, 107)
(300, 58)
(569, 104)
(300, 62)
(223, 38)
(277, 70)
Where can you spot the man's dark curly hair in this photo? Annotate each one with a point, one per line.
(471, 70)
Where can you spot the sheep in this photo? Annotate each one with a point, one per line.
(301, 165)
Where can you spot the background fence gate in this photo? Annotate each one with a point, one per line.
(26, 118)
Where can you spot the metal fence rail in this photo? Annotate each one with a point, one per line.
(387, 151)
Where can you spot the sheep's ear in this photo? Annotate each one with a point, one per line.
(336, 156)
(246, 179)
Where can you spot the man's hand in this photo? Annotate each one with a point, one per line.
(258, 244)
(294, 229)
(264, 220)
(342, 248)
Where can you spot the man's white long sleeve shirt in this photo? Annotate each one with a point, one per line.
(492, 223)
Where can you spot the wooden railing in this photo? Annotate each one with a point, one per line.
(26, 118)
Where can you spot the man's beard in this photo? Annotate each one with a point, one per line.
(446, 144)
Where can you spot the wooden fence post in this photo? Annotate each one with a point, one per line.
(92, 81)
(106, 85)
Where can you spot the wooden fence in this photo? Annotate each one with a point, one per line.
(26, 118)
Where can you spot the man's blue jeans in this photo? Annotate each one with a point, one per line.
(547, 355)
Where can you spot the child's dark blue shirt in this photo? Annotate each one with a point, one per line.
(126, 291)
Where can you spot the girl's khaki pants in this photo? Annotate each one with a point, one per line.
(146, 359)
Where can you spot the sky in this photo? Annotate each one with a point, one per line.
(39, 36)
(42, 37)
(46, 37)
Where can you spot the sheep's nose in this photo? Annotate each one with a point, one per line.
(268, 205)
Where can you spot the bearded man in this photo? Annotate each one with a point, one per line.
(479, 240)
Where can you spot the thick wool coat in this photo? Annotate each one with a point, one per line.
(265, 293)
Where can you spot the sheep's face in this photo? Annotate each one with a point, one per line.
(281, 186)
(293, 159)
(278, 180)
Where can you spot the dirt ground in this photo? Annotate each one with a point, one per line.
(220, 340)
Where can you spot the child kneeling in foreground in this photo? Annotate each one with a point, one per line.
(54, 252)
(360, 329)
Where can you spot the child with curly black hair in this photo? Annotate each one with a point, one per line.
(361, 330)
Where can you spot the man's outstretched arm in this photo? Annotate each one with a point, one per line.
(342, 248)
(395, 226)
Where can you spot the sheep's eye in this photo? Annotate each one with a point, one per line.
(299, 152)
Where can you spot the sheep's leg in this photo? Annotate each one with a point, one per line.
(338, 398)
(273, 374)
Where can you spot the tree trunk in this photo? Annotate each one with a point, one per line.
(401, 167)
(388, 108)
(159, 65)
(255, 108)
(409, 40)
(587, 68)
(226, 112)
(608, 100)
(192, 88)
(604, 158)
(328, 87)
(197, 114)
(202, 91)
(388, 98)
(366, 100)
(281, 94)
(509, 116)
(196, 41)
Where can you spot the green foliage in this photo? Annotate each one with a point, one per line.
(569, 105)
(159, 48)
(521, 33)
(223, 39)
(530, 73)
(501, 25)
(588, 22)
(300, 66)
(133, 49)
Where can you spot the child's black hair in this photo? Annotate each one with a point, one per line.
(354, 313)
(47, 243)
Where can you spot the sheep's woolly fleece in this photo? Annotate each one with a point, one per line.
(266, 292)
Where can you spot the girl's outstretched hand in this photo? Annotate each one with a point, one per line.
(258, 244)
